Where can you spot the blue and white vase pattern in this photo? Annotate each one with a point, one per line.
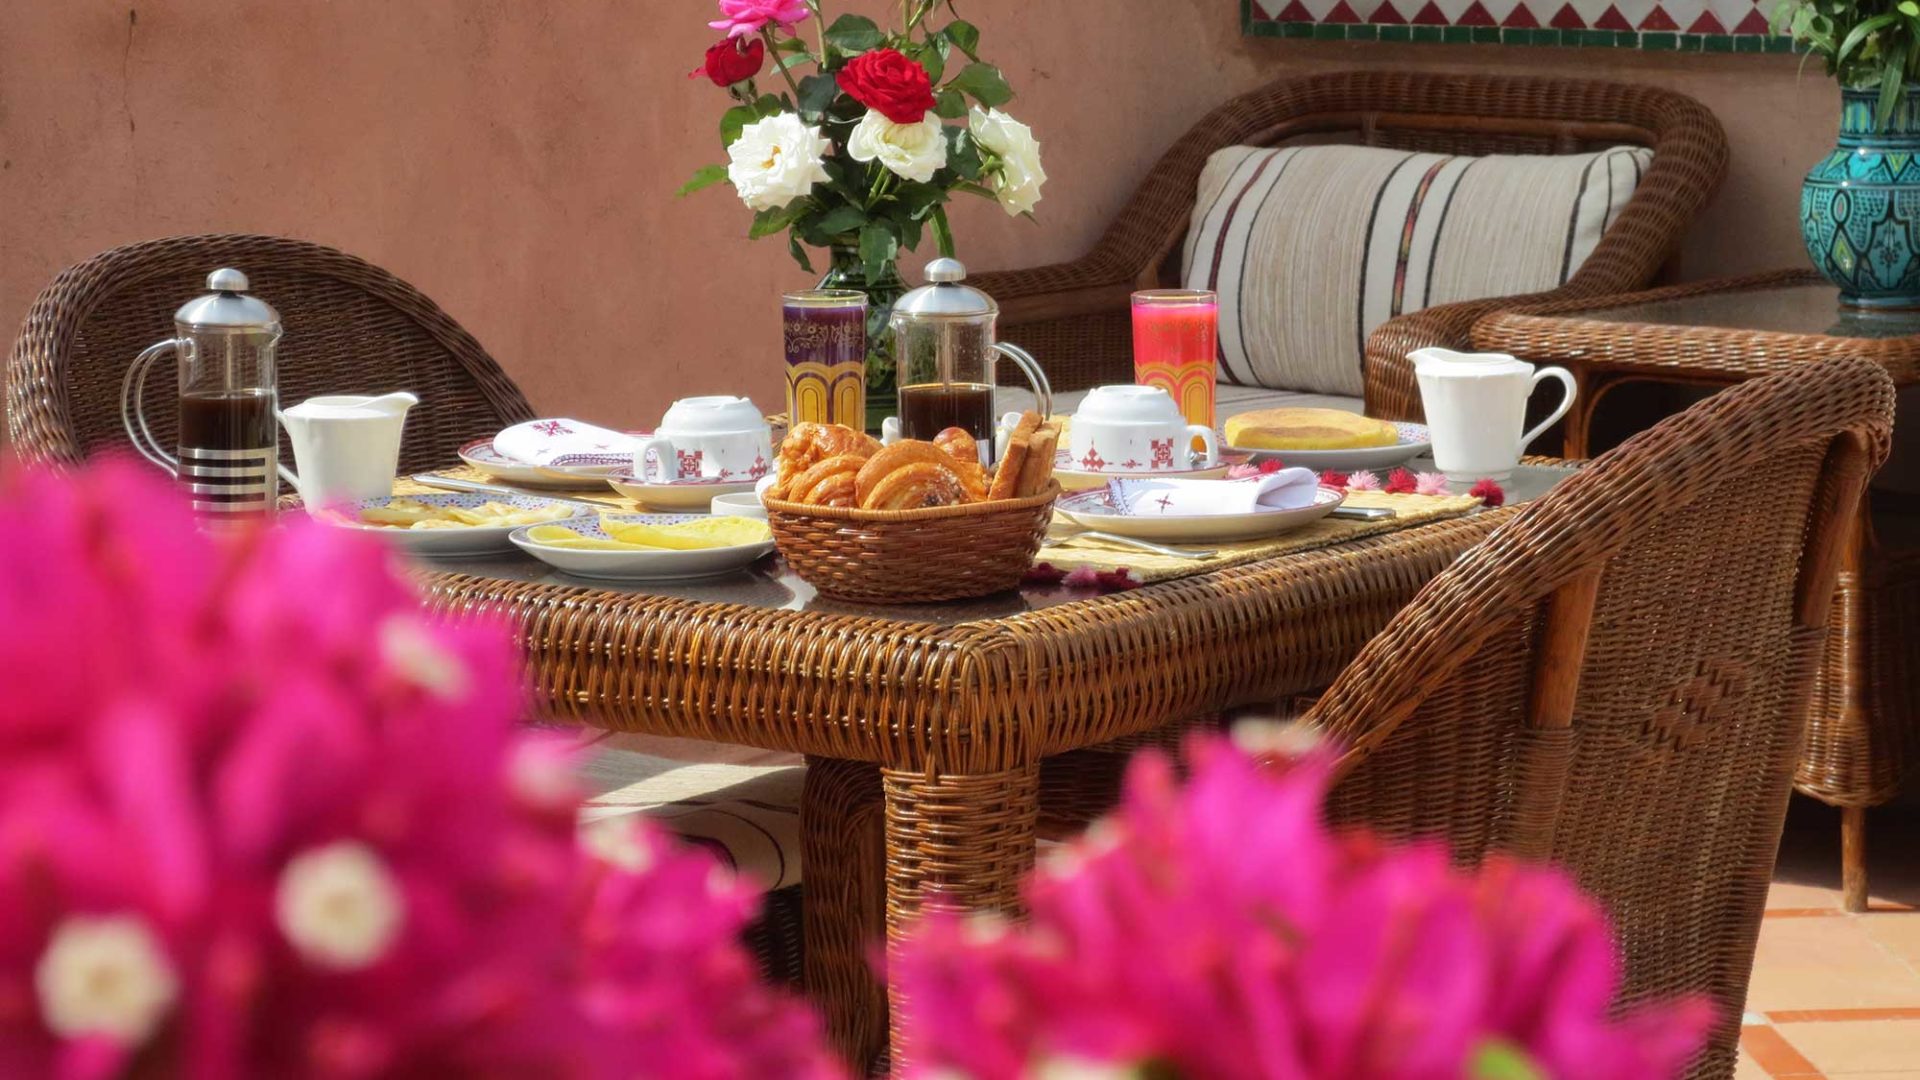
(1860, 206)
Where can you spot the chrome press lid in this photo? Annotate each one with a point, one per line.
(228, 307)
(944, 297)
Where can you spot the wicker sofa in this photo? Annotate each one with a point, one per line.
(1075, 317)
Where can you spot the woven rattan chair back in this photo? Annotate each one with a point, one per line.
(1617, 679)
(351, 327)
(1074, 315)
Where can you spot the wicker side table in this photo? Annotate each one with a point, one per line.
(1861, 737)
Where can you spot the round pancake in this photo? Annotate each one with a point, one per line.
(1308, 429)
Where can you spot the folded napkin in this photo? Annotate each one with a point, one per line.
(564, 442)
(1288, 489)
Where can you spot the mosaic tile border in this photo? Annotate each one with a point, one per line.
(1254, 24)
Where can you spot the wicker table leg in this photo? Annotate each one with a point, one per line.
(965, 840)
(840, 837)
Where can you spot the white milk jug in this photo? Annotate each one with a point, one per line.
(1476, 404)
(346, 447)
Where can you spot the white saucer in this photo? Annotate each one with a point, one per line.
(641, 564)
(692, 495)
(481, 455)
(1095, 510)
(466, 540)
(1414, 441)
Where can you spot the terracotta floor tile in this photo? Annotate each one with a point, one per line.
(1877, 1074)
(1819, 963)
(1874, 1046)
(1896, 932)
(1744, 1068)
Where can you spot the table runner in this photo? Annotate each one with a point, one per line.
(1145, 566)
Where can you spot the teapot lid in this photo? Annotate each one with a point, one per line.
(944, 296)
(228, 306)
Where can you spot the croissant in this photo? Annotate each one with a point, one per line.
(916, 485)
(831, 465)
(809, 444)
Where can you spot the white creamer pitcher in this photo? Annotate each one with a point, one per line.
(347, 447)
(1476, 405)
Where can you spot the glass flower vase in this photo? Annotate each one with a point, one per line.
(847, 271)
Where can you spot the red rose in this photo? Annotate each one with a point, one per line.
(732, 60)
(885, 81)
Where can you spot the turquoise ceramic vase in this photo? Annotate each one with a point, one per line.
(1860, 206)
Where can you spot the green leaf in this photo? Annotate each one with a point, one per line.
(985, 83)
(1891, 83)
(878, 246)
(768, 222)
(1860, 33)
(841, 219)
(931, 59)
(799, 253)
(965, 37)
(909, 233)
(963, 154)
(1499, 1060)
(853, 34)
(734, 120)
(949, 104)
(1910, 9)
(816, 93)
(790, 45)
(705, 176)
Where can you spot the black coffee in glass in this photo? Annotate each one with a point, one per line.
(930, 408)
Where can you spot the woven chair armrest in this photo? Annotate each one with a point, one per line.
(1390, 390)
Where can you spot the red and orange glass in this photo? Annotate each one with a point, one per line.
(1175, 335)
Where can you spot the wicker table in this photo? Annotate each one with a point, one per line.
(1713, 334)
(925, 727)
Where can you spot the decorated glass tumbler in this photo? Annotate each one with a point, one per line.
(1174, 335)
(826, 340)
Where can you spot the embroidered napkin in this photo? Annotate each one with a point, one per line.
(564, 442)
(1288, 489)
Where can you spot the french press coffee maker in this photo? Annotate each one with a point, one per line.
(228, 451)
(944, 348)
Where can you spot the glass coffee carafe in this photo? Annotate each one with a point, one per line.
(228, 452)
(944, 348)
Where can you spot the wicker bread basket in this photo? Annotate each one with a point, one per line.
(912, 556)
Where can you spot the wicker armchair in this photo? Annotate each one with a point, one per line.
(1618, 678)
(351, 328)
(1075, 315)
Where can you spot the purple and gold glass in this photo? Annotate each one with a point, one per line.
(826, 338)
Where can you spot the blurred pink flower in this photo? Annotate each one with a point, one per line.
(1363, 481)
(742, 18)
(1222, 930)
(260, 817)
(1431, 483)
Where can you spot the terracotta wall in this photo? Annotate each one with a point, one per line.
(517, 159)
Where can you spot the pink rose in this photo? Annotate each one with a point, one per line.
(742, 18)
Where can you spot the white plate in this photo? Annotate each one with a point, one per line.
(640, 564)
(1075, 480)
(481, 455)
(1414, 441)
(692, 495)
(467, 540)
(1095, 510)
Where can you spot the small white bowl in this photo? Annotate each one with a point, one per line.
(739, 504)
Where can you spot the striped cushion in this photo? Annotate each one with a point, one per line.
(1312, 247)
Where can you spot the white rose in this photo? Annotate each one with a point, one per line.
(911, 151)
(776, 160)
(1018, 179)
(105, 977)
(339, 905)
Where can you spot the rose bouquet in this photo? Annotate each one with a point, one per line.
(259, 817)
(1222, 930)
(861, 135)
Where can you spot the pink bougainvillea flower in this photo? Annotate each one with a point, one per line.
(741, 18)
(1401, 482)
(1220, 928)
(1488, 492)
(1431, 483)
(1363, 481)
(261, 816)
